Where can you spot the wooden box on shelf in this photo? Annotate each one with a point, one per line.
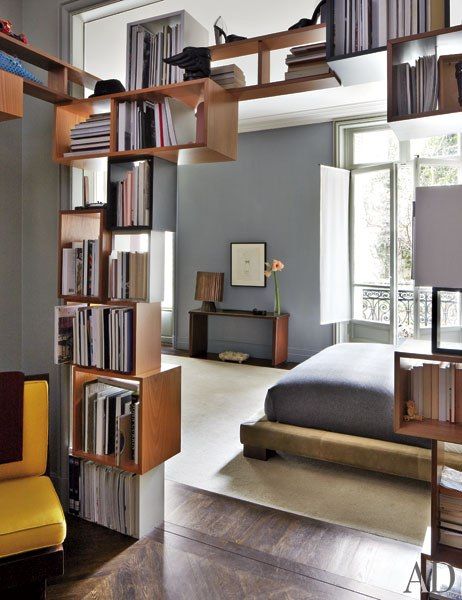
(163, 194)
(159, 431)
(215, 137)
(151, 244)
(145, 340)
(11, 96)
(79, 225)
(430, 428)
(435, 549)
(262, 46)
(446, 116)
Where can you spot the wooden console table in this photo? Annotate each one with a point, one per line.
(198, 331)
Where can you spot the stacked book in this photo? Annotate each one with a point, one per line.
(128, 275)
(92, 135)
(306, 61)
(450, 506)
(103, 337)
(80, 269)
(436, 389)
(110, 419)
(104, 495)
(133, 196)
(416, 87)
(145, 125)
(228, 76)
(146, 51)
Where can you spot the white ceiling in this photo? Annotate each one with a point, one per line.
(105, 38)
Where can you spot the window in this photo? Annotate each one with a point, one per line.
(386, 304)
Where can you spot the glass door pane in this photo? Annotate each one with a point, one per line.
(372, 238)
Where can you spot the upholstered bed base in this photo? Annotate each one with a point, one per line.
(263, 438)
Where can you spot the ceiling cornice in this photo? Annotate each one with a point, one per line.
(314, 115)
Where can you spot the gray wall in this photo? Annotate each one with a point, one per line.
(271, 193)
(10, 227)
(29, 203)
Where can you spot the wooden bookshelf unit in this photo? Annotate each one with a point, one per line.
(146, 338)
(427, 428)
(218, 137)
(58, 72)
(85, 224)
(159, 422)
(447, 117)
(262, 47)
(11, 96)
(434, 549)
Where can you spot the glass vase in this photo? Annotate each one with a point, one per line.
(277, 296)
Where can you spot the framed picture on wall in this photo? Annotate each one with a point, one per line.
(248, 264)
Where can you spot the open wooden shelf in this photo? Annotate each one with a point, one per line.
(159, 420)
(282, 88)
(262, 47)
(60, 73)
(146, 348)
(442, 42)
(432, 429)
(273, 41)
(79, 225)
(219, 135)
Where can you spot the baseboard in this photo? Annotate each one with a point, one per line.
(255, 350)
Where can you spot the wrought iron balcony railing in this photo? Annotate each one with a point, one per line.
(375, 302)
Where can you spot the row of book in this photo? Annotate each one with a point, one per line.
(146, 51)
(110, 419)
(359, 25)
(365, 24)
(305, 61)
(103, 337)
(436, 389)
(133, 196)
(450, 508)
(145, 125)
(80, 269)
(416, 87)
(91, 135)
(228, 76)
(128, 275)
(104, 495)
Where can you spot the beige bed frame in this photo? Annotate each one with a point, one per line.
(263, 438)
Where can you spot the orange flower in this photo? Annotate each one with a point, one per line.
(277, 265)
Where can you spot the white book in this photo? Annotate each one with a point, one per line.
(68, 272)
(170, 124)
(100, 423)
(450, 395)
(443, 387)
(122, 119)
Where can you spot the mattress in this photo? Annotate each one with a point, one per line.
(347, 388)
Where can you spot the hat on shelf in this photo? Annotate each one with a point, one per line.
(107, 86)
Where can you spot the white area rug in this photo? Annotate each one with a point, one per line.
(218, 397)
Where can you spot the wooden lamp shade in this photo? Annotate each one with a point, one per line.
(209, 289)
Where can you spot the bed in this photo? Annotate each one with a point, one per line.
(338, 406)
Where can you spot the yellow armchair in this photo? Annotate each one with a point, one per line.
(32, 523)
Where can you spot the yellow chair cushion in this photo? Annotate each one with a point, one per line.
(35, 434)
(31, 516)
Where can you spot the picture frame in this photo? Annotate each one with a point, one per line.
(247, 261)
(444, 342)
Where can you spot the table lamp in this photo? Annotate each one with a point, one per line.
(438, 261)
(209, 289)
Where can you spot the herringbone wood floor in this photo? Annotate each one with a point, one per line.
(213, 547)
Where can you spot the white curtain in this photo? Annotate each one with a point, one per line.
(334, 251)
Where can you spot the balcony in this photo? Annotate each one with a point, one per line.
(373, 304)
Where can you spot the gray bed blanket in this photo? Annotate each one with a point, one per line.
(347, 388)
